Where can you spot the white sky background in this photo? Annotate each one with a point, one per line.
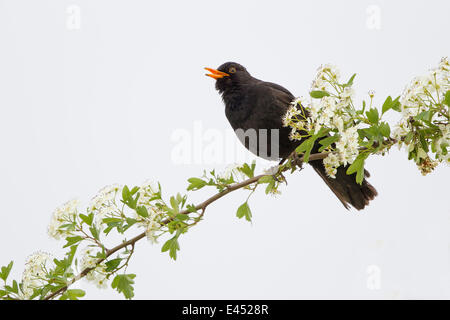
(81, 109)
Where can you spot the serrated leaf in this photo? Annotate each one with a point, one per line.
(111, 265)
(6, 270)
(72, 294)
(172, 246)
(396, 104)
(196, 184)
(373, 116)
(247, 170)
(244, 211)
(385, 129)
(123, 283)
(87, 219)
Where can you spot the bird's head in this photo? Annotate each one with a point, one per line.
(228, 75)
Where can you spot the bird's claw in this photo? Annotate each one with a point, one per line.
(296, 161)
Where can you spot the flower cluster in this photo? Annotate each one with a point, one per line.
(345, 153)
(104, 204)
(62, 220)
(149, 196)
(425, 118)
(98, 274)
(34, 275)
(331, 111)
(326, 75)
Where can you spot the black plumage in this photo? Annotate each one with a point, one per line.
(254, 104)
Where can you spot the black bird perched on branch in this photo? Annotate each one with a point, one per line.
(252, 105)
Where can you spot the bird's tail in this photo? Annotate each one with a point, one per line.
(345, 187)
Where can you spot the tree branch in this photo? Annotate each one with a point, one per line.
(297, 161)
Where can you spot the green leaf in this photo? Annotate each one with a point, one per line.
(447, 98)
(72, 294)
(396, 104)
(265, 179)
(423, 141)
(424, 116)
(174, 204)
(111, 220)
(14, 288)
(142, 211)
(182, 217)
(306, 148)
(373, 116)
(318, 94)
(191, 208)
(111, 265)
(172, 246)
(87, 219)
(244, 211)
(326, 142)
(249, 171)
(94, 232)
(134, 190)
(350, 81)
(270, 186)
(131, 221)
(72, 240)
(6, 270)
(126, 195)
(123, 283)
(358, 167)
(409, 136)
(385, 129)
(388, 103)
(196, 184)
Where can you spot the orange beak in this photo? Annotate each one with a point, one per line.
(216, 74)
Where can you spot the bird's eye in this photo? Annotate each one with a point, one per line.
(232, 70)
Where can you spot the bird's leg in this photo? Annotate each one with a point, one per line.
(296, 160)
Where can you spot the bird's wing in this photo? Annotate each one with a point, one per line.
(282, 94)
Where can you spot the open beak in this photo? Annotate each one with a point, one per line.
(216, 74)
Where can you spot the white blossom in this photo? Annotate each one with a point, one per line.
(422, 94)
(151, 229)
(62, 215)
(98, 274)
(104, 204)
(347, 146)
(36, 268)
(149, 198)
(325, 73)
(331, 162)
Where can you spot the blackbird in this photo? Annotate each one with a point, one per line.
(258, 106)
